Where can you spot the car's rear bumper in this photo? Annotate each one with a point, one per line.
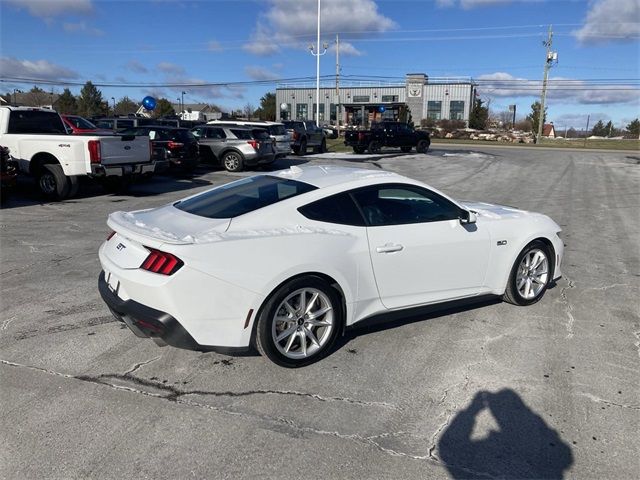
(147, 322)
(98, 170)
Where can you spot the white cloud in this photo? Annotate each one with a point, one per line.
(136, 67)
(579, 120)
(293, 23)
(466, 4)
(41, 69)
(562, 90)
(170, 68)
(259, 73)
(347, 48)
(47, 9)
(82, 27)
(610, 20)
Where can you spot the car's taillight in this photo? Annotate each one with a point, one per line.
(161, 262)
(296, 135)
(360, 136)
(111, 234)
(95, 154)
(253, 143)
(173, 144)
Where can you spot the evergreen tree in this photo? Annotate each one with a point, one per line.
(37, 97)
(267, 110)
(634, 127)
(90, 101)
(67, 103)
(163, 108)
(534, 116)
(599, 130)
(125, 106)
(479, 115)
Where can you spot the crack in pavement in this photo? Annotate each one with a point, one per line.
(568, 307)
(139, 365)
(593, 398)
(637, 344)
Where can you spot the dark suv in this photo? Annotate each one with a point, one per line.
(178, 146)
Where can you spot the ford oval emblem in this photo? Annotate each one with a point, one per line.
(127, 147)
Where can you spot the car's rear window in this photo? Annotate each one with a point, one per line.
(36, 121)
(242, 134)
(243, 196)
(182, 135)
(277, 130)
(260, 134)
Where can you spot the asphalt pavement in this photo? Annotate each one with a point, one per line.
(488, 390)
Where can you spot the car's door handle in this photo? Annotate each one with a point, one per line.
(389, 248)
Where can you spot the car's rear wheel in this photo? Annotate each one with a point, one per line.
(422, 146)
(323, 146)
(54, 184)
(530, 275)
(233, 162)
(374, 146)
(299, 322)
(303, 148)
(358, 150)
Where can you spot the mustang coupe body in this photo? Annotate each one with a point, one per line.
(285, 261)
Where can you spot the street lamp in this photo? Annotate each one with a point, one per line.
(114, 104)
(317, 54)
(182, 105)
(15, 97)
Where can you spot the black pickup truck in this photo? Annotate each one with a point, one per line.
(388, 134)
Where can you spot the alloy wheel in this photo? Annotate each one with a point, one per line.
(533, 274)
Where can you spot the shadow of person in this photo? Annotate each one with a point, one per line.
(523, 446)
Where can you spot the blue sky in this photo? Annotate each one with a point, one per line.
(498, 42)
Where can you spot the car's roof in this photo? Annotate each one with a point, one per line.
(323, 176)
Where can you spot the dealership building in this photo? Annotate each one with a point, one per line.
(361, 103)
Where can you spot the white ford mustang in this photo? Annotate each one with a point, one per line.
(286, 261)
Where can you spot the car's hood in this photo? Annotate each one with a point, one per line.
(166, 224)
(496, 212)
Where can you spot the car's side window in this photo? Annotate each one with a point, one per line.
(403, 204)
(339, 209)
(215, 133)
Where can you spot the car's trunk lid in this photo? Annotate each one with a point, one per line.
(118, 149)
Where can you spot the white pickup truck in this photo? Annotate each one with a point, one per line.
(38, 140)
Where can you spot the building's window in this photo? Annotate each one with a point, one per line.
(321, 116)
(286, 115)
(434, 110)
(389, 98)
(333, 112)
(456, 110)
(302, 110)
(361, 99)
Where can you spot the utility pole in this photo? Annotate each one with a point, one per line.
(550, 58)
(338, 116)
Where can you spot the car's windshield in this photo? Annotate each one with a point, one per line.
(80, 122)
(277, 130)
(243, 196)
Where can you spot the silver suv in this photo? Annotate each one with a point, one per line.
(235, 147)
(276, 130)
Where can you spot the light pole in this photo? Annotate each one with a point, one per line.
(182, 105)
(114, 104)
(317, 54)
(15, 97)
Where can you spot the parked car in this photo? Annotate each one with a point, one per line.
(286, 261)
(305, 134)
(40, 143)
(176, 148)
(80, 125)
(8, 173)
(388, 134)
(117, 124)
(277, 131)
(235, 147)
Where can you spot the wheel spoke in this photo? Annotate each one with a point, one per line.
(314, 297)
(311, 336)
(318, 323)
(303, 343)
(289, 343)
(288, 332)
(527, 288)
(521, 282)
(302, 306)
(318, 313)
(290, 309)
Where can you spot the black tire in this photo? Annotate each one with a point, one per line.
(512, 293)
(53, 183)
(265, 329)
(422, 146)
(74, 186)
(374, 146)
(303, 148)
(233, 162)
(295, 150)
(323, 146)
(358, 150)
(406, 149)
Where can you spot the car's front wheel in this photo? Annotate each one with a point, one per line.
(530, 275)
(299, 322)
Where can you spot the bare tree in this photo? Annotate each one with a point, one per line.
(248, 110)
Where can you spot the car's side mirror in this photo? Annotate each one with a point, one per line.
(467, 217)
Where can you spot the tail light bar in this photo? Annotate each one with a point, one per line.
(360, 136)
(173, 144)
(254, 144)
(95, 152)
(296, 135)
(161, 262)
